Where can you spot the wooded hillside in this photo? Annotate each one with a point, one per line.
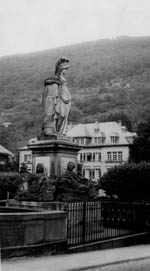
(106, 77)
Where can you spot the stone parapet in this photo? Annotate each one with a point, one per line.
(22, 231)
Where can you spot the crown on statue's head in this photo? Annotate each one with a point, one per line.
(61, 64)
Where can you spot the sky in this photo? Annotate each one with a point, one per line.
(35, 25)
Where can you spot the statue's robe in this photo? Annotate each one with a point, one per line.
(56, 102)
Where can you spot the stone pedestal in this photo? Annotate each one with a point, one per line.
(54, 154)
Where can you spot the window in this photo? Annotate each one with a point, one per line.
(114, 156)
(77, 140)
(96, 130)
(89, 157)
(109, 156)
(97, 173)
(93, 157)
(95, 140)
(25, 158)
(97, 156)
(99, 140)
(103, 139)
(82, 141)
(80, 157)
(29, 157)
(84, 157)
(114, 139)
(91, 173)
(120, 158)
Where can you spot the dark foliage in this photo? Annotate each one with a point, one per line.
(129, 181)
(140, 149)
(9, 182)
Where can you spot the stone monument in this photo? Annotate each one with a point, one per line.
(72, 187)
(56, 101)
(53, 148)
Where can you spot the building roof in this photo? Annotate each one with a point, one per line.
(5, 151)
(24, 148)
(79, 130)
(107, 129)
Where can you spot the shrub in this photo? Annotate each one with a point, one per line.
(128, 181)
(9, 182)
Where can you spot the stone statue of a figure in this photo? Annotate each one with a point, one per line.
(56, 100)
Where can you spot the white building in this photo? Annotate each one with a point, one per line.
(25, 156)
(103, 145)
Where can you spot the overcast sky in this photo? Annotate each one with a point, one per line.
(33, 25)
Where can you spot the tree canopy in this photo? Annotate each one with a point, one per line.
(140, 149)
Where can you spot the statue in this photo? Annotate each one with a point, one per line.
(70, 186)
(40, 187)
(56, 100)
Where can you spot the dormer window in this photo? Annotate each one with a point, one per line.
(76, 139)
(95, 140)
(99, 139)
(96, 130)
(114, 138)
(82, 140)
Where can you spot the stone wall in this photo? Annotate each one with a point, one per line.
(37, 205)
(22, 231)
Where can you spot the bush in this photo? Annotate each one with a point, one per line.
(128, 181)
(9, 182)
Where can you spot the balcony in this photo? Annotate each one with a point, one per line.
(114, 161)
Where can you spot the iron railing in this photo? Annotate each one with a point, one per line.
(96, 220)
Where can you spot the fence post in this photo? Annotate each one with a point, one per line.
(84, 222)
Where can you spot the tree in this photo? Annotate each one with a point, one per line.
(128, 181)
(140, 149)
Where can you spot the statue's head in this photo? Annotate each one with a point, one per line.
(70, 166)
(40, 168)
(61, 64)
(23, 168)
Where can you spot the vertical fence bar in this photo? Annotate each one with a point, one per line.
(84, 222)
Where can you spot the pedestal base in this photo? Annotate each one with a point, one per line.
(54, 154)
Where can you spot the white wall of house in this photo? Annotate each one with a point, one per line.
(104, 145)
(96, 161)
(25, 156)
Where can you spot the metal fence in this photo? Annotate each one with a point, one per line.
(96, 220)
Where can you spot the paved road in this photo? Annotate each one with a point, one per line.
(129, 256)
(138, 265)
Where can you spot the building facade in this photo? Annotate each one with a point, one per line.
(103, 145)
(25, 156)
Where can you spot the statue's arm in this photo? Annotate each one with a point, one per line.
(50, 92)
